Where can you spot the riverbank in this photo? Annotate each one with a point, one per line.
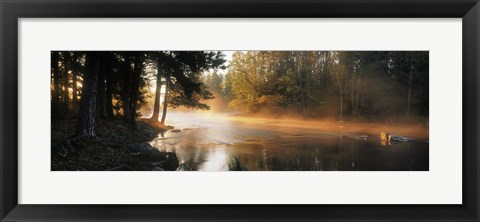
(119, 147)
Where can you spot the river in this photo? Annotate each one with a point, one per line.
(213, 141)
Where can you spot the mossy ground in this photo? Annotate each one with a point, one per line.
(119, 146)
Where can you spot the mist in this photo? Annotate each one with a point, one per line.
(250, 110)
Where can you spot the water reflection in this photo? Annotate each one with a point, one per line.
(210, 143)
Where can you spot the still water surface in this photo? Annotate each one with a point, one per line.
(207, 142)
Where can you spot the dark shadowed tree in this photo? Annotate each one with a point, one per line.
(55, 85)
(109, 84)
(87, 116)
(137, 75)
(127, 80)
(131, 70)
(66, 77)
(105, 86)
(77, 71)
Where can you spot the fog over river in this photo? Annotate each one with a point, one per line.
(210, 141)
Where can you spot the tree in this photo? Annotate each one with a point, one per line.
(66, 77)
(109, 83)
(249, 78)
(214, 82)
(339, 71)
(132, 70)
(331, 83)
(77, 71)
(158, 86)
(181, 71)
(87, 116)
(101, 97)
(165, 100)
(55, 85)
(411, 70)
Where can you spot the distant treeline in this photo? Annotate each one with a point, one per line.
(377, 85)
(99, 84)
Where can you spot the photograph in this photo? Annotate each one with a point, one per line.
(239, 110)
(316, 110)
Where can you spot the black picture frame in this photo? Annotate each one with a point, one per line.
(11, 11)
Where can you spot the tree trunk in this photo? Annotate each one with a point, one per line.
(410, 79)
(353, 94)
(300, 79)
(101, 99)
(87, 117)
(126, 105)
(327, 68)
(341, 97)
(74, 89)
(66, 68)
(76, 70)
(127, 88)
(165, 100)
(56, 84)
(156, 106)
(109, 93)
(357, 99)
(135, 88)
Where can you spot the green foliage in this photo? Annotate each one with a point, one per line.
(185, 69)
(328, 83)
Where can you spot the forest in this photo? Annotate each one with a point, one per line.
(107, 105)
(374, 86)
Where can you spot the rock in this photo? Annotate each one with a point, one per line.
(144, 149)
(361, 137)
(385, 136)
(157, 169)
(157, 156)
(392, 138)
(400, 138)
(157, 164)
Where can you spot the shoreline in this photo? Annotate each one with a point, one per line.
(119, 147)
